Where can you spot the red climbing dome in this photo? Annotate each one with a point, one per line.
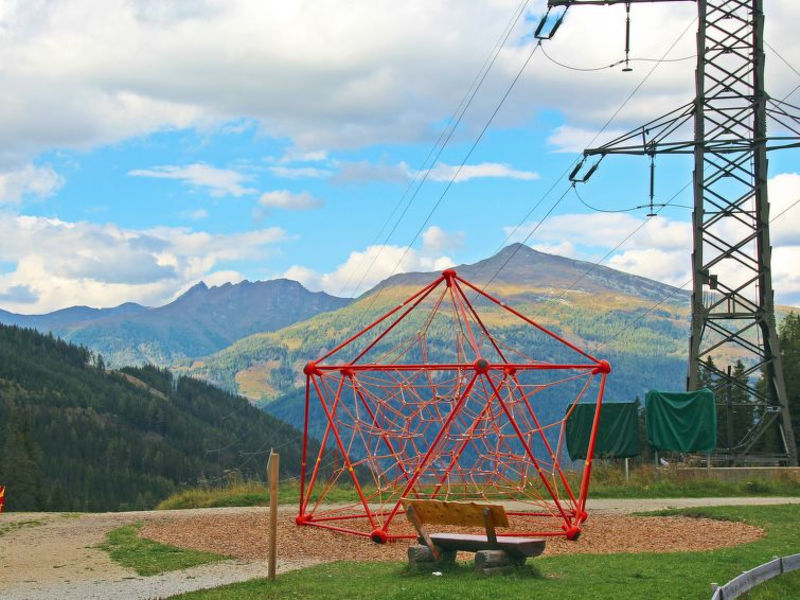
(426, 402)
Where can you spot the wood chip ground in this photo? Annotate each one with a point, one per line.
(245, 536)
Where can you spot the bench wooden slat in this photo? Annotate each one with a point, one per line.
(456, 513)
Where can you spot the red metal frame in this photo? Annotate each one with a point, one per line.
(403, 424)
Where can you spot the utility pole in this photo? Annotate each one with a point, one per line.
(733, 312)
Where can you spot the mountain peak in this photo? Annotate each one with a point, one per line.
(197, 288)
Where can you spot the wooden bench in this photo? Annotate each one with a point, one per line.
(493, 553)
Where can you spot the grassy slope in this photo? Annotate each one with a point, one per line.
(672, 576)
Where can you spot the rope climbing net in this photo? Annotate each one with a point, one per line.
(426, 402)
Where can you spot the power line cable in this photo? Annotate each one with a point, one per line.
(623, 210)
(458, 170)
(637, 229)
(444, 137)
(575, 161)
(469, 153)
(627, 326)
(779, 55)
(622, 61)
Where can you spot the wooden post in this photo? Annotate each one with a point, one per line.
(272, 475)
(627, 470)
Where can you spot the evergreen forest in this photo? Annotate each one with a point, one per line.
(75, 436)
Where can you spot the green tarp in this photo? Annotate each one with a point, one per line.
(681, 421)
(617, 433)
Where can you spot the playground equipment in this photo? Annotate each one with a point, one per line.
(427, 403)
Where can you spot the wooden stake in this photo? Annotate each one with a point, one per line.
(272, 475)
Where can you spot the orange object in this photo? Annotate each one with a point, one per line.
(2, 498)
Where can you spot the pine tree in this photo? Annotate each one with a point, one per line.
(20, 471)
(790, 352)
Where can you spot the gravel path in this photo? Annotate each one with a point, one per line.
(57, 559)
(54, 556)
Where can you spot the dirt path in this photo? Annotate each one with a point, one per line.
(53, 555)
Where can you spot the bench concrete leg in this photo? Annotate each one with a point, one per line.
(420, 557)
(496, 562)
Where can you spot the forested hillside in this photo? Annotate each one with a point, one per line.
(75, 436)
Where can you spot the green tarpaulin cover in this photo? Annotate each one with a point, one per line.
(681, 421)
(617, 433)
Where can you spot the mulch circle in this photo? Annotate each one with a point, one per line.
(245, 536)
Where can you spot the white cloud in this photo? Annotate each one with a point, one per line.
(606, 230)
(360, 171)
(443, 172)
(661, 247)
(28, 181)
(567, 138)
(563, 249)
(299, 172)
(784, 190)
(435, 239)
(365, 171)
(294, 154)
(218, 182)
(194, 215)
(322, 77)
(289, 201)
(667, 266)
(362, 270)
(61, 263)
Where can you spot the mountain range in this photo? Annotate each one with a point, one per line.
(201, 321)
(638, 324)
(254, 338)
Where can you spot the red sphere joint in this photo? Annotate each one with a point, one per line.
(603, 367)
(573, 533)
(481, 365)
(311, 368)
(379, 536)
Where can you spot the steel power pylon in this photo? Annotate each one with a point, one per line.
(733, 313)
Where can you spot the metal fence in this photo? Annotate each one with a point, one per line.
(750, 579)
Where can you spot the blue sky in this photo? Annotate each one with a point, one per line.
(149, 145)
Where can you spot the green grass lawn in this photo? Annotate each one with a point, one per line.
(150, 558)
(781, 588)
(671, 576)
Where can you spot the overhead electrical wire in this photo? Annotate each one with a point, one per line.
(444, 137)
(469, 153)
(458, 170)
(623, 210)
(627, 326)
(605, 126)
(780, 56)
(619, 244)
(621, 61)
(686, 185)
